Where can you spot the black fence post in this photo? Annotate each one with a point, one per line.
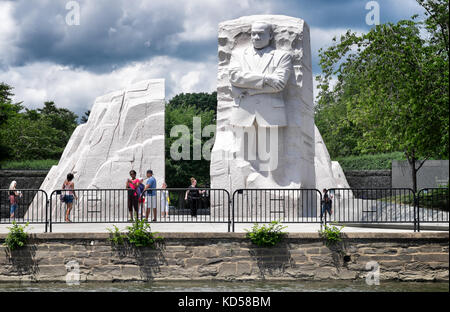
(417, 204)
(50, 211)
(46, 214)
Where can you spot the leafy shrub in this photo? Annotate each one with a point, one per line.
(140, 235)
(17, 237)
(436, 198)
(117, 238)
(34, 164)
(331, 234)
(369, 162)
(266, 236)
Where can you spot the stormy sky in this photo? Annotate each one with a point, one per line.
(118, 42)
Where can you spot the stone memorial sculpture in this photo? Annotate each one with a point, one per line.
(125, 131)
(258, 75)
(266, 137)
(265, 99)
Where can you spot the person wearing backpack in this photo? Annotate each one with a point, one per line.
(151, 195)
(141, 200)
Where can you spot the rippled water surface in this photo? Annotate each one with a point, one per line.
(216, 286)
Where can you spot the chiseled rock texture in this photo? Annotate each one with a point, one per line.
(305, 161)
(228, 256)
(296, 163)
(125, 131)
(329, 174)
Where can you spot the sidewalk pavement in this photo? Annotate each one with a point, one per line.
(191, 228)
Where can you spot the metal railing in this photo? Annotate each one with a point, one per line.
(88, 206)
(432, 206)
(284, 205)
(377, 205)
(181, 205)
(123, 206)
(30, 206)
(204, 205)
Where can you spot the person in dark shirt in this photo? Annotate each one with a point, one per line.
(326, 204)
(193, 197)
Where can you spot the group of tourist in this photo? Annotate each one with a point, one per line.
(142, 196)
(136, 202)
(136, 187)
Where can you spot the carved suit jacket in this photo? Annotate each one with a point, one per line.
(254, 99)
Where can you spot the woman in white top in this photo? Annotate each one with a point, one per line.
(69, 195)
(164, 201)
(13, 195)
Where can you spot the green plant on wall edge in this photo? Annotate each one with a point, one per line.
(331, 234)
(17, 237)
(266, 236)
(139, 234)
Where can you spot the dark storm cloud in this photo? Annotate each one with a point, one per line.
(114, 33)
(110, 34)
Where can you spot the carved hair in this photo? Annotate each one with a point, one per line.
(268, 25)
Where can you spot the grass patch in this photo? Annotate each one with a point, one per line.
(35, 164)
(370, 162)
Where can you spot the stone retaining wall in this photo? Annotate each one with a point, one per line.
(228, 256)
(26, 179)
(368, 178)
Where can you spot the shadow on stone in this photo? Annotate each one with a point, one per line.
(149, 259)
(22, 261)
(339, 252)
(271, 261)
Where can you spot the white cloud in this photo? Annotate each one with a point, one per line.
(132, 32)
(77, 89)
(7, 33)
(202, 17)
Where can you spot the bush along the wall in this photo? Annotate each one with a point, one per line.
(331, 234)
(139, 235)
(266, 236)
(116, 237)
(17, 237)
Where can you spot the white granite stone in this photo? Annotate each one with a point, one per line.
(303, 159)
(125, 131)
(294, 102)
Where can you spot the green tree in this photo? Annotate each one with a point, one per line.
(180, 111)
(32, 134)
(201, 101)
(60, 119)
(394, 86)
(8, 111)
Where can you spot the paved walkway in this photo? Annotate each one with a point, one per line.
(188, 227)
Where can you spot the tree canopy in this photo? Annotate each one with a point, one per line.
(33, 133)
(181, 110)
(391, 92)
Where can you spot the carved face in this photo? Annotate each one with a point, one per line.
(261, 35)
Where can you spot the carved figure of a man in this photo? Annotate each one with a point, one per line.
(258, 75)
